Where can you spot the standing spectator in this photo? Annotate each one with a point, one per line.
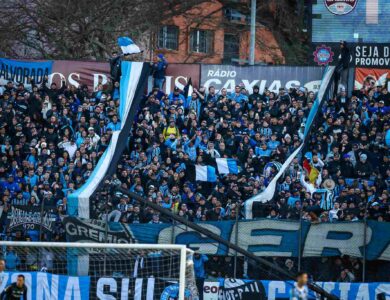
(159, 68)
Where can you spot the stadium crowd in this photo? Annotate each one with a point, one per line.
(51, 138)
(258, 130)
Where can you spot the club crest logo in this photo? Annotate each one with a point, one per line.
(340, 7)
(323, 55)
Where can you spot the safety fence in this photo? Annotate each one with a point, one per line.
(327, 249)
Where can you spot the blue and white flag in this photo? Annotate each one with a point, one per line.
(269, 192)
(205, 173)
(134, 76)
(127, 45)
(227, 166)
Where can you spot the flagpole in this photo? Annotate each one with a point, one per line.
(300, 234)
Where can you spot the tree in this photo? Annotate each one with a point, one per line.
(286, 20)
(78, 29)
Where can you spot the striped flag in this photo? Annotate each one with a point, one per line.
(312, 172)
(127, 45)
(205, 173)
(227, 166)
(200, 173)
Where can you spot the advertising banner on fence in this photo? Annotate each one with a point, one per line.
(263, 237)
(90, 73)
(24, 218)
(368, 78)
(281, 289)
(21, 71)
(42, 285)
(271, 77)
(136, 288)
(77, 73)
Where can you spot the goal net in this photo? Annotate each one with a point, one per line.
(99, 271)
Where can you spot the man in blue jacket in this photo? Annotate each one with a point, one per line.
(159, 68)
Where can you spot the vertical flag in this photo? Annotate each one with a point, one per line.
(188, 89)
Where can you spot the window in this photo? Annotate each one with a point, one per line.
(231, 48)
(168, 37)
(201, 41)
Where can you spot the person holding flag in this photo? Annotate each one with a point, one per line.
(128, 47)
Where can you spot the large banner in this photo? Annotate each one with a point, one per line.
(90, 73)
(25, 218)
(77, 73)
(368, 78)
(45, 286)
(271, 77)
(277, 290)
(262, 237)
(22, 71)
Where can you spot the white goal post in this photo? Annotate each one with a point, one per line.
(164, 263)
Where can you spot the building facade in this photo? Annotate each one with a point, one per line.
(215, 32)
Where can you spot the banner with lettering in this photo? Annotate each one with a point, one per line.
(263, 237)
(235, 289)
(270, 77)
(125, 288)
(25, 218)
(41, 285)
(21, 71)
(81, 230)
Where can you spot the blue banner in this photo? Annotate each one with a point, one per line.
(20, 71)
(263, 237)
(46, 286)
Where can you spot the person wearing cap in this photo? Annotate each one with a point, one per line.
(155, 219)
(176, 96)
(283, 96)
(159, 67)
(363, 167)
(255, 96)
(93, 136)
